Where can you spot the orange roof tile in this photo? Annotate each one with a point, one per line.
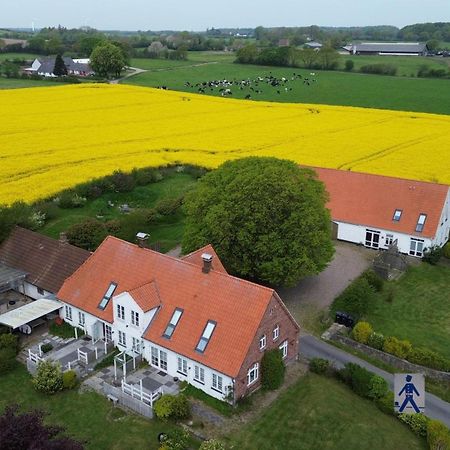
(236, 305)
(196, 258)
(371, 200)
(146, 296)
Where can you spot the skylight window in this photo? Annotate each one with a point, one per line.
(206, 336)
(397, 215)
(108, 294)
(421, 222)
(173, 323)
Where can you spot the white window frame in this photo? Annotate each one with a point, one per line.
(163, 360)
(108, 333)
(68, 311)
(122, 339)
(262, 342)
(284, 348)
(276, 333)
(121, 312)
(182, 365)
(135, 318)
(217, 382)
(413, 249)
(81, 318)
(136, 344)
(389, 240)
(199, 374)
(253, 374)
(155, 357)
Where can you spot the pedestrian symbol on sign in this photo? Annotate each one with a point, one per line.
(409, 393)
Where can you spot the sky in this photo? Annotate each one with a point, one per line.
(197, 15)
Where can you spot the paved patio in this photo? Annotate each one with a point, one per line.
(15, 298)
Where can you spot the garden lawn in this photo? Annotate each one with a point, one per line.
(420, 310)
(167, 231)
(321, 413)
(88, 416)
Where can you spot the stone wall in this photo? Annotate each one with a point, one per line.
(392, 360)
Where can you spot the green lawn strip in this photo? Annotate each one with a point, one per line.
(15, 83)
(331, 87)
(222, 407)
(319, 412)
(87, 416)
(420, 310)
(108, 360)
(19, 56)
(65, 330)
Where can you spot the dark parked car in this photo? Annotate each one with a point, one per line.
(345, 319)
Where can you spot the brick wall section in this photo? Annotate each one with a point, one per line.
(276, 314)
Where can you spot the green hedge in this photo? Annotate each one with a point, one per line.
(272, 369)
(320, 366)
(356, 298)
(174, 407)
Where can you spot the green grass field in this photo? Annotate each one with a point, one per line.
(13, 83)
(88, 416)
(167, 231)
(321, 413)
(333, 88)
(420, 310)
(21, 56)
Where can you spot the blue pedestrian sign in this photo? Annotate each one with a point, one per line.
(409, 390)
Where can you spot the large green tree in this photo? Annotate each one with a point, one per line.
(60, 68)
(265, 217)
(107, 59)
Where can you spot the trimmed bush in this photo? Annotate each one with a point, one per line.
(272, 369)
(349, 64)
(417, 422)
(438, 435)
(212, 444)
(386, 403)
(168, 206)
(48, 378)
(428, 358)
(7, 359)
(358, 378)
(376, 340)
(9, 340)
(172, 407)
(446, 250)
(70, 380)
(432, 255)
(379, 69)
(361, 332)
(378, 387)
(46, 347)
(397, 347)
(374, 280)
(356, 298)
(319, 366)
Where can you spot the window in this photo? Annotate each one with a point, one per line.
(173, 323)
(389, 240)
(276, 332)
(217, 382)
(107, 332)
(155, 357)
(135, 318)
(252, 374)
(68, 312)
(397, 215)
(40, 291)
(416, 247)
(421, 222)
(182, 365)
(372, 238)
(122, 339)
(81, 318)
(136, 344)
(120, 312)
(199, 374)
(206, 336)
(108, 294)
(284, 348)
(262, 342)
(163, 360)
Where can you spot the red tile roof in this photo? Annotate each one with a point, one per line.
(236, 305)
(196, 258)
(47, 261)
(146, 296)
(371, 200)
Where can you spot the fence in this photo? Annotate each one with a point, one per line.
(138, 393)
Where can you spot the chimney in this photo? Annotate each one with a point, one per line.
(63, 238)
(142, 239)
(207, 261)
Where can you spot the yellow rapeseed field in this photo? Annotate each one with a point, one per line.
(55, 137)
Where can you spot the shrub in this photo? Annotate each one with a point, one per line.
(432, 255)
(168, 206)
(358, 378)
(438, 436)
(113, 226)
(374, 280)
(376, 340)
(361, 332)
(386, 403)
(172, 407)
(356, 298)
(397, 347)
(87, 234)
(428, 358)
(10, 341)
(349, 64)
(446, 250)
(122, 182)
(272, 369)
(46, 347)
(48, 378)
(7, 359)
(417, 422)
(176, 440)
(378, 387)
(69, 379)
(70, 199)
(146, 176)
(151, 215)
(379, 69)
(319, 365)
(212, 444)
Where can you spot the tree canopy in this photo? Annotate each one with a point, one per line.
(265, 217)
(60, 67)
(107, 59)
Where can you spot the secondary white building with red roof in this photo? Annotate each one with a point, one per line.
(186, 316)
(376, 211)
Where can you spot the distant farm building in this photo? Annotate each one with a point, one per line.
(387, 48)
(314, 45)
(45, 67)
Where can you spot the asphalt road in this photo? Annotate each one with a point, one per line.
(312, 347)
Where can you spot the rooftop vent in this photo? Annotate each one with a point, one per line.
(207, 261)
(142, 239)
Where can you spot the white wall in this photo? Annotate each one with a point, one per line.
(90, 320)
(443, 232)
(30, 290)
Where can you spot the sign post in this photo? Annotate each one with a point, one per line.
(409, 390)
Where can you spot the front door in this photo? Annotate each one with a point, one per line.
(372, 239)
(416, 247)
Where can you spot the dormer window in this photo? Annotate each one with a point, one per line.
(108, 294)
(173, 323)
(206, 336)
(421, 222)
(397, 215)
